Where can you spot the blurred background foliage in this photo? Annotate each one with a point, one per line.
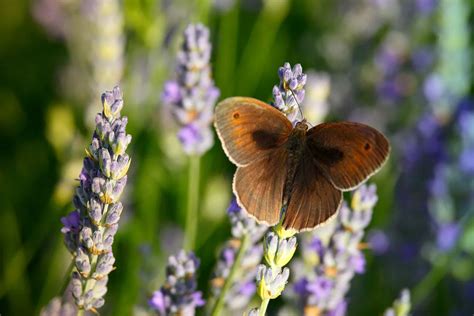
(401, 66)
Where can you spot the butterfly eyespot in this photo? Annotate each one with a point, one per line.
(236, 115)
(367, 146)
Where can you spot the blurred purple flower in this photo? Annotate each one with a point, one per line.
(171, 92)
(426, 6)
(339, 310)
(378, 241)
(320, 288)
(157, 302)
(433, 88)
(447, 236)
(192, 95)
(178, 296)
(358, 262)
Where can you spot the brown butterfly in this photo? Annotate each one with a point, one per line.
(304, 170)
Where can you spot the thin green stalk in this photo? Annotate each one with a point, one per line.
(67, 277)
(245, 242)
(263, 307)
(192, 208)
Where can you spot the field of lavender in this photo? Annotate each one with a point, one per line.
(117, 195)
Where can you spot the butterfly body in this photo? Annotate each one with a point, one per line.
(299, 169)
(295, 146)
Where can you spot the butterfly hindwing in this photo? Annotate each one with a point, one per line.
(347, 153)
(249, 129)
(313, 198)
(259, 186)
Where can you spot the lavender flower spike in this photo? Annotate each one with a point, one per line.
(89, 230)
(178, 296)
(192, 95)
(290, 92)
(333, 255)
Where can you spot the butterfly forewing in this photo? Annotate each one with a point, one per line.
(249, 129)
(313, 198)
(347, 153)
(259, 186)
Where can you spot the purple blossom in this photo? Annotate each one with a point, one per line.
(178, 295)
(426, 6)
(447, 236)
(192, 95)
(157, 302)
(320, 288)
(290, 92)
(171, 92)
(379, 241)
(71, 223)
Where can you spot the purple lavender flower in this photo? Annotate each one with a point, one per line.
(378, 241)
(447, 236)
(333, 256)
(192, 95)
(178, 296)
(426, 6)
(90, 229)
(290, 92)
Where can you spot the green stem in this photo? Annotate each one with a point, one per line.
(263, 307)
(67, 277)
(245, 242)
(192, 214)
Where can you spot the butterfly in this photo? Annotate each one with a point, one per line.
(296, 168)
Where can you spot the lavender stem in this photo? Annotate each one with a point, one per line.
(245, 242)
(67, 277)
(263, 307)
(192, 209)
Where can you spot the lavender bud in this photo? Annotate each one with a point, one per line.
(271, 281)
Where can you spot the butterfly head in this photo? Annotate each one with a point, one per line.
(302, 126)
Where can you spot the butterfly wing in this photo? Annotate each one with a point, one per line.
(313, 198)
(259, 186)
(347, 153)
(250, 129)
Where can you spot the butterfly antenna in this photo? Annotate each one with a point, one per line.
(296, 100)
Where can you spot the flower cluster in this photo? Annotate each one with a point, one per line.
(332, 256)
(89, 230)
(289, 94)
(401, 306)
(193, 94)
(246, 234)
(178, 296)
